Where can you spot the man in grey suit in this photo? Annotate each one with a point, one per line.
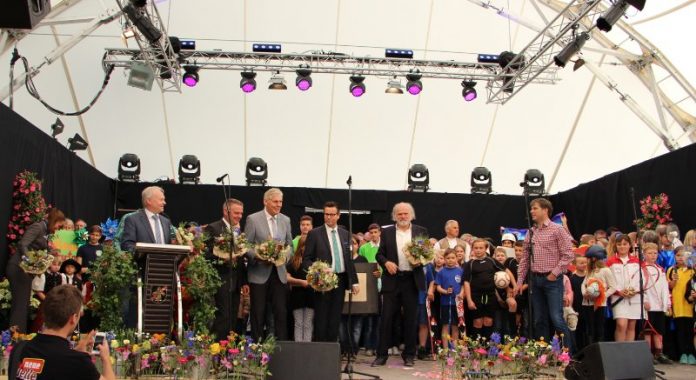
(146, 225)
(267, 282)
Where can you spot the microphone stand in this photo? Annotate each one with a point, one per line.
(231, 318)
(348, 369)
(639, 253)
(530, 259)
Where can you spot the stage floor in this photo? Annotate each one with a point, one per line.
(395, 370)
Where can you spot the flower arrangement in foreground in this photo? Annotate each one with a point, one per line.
(36, 262)
(655, 210)
(28, 207)
(419, 251)
(273, 251)
(112, 272)
(202, 282)
(498, 357)
(321, 277)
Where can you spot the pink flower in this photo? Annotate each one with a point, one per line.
(13, 236)
(26, 219)
(264, 358)
(21, 232)
(233, 351)
(564, 358)
(481, 351)
(450, 361)
(32, 188)
(542, 359)
(182, 360)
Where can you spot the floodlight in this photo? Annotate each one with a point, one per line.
(394, 87)
(413, 85)
(139, 18)
(57, 127)
(77, 143)
(191, 77)
(303, 81)
(534, 183)
(248, 83)
(515, 62)
(606, 21)
(357, 87)
(129, 168)
(277, 82)
(468, 91)
(481, 181)
(418, 178)
(141, 76)
(189, 170)
(571, 49)
(256, 172)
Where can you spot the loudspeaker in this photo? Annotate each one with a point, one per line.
(612, 360)
(306, 361)
(23, 14)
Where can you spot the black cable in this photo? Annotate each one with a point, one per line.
(31, 87)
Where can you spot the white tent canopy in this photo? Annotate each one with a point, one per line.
(574, 131)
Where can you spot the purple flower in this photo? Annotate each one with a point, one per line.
(555, 345)
(495, 338)
(493, 351)
(522, 340)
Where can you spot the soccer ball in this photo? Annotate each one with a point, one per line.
(501, 280)
(593, 290)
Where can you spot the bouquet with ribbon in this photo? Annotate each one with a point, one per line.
(273, 251)
(419, 251)
(224, 249)
(36, 262)
(321, 277)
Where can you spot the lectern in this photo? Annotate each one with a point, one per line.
(158, 279)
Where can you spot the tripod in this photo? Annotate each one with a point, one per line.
(348, 369)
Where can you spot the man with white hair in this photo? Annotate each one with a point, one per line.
(146, 225)
(452, 239)
(400, 283)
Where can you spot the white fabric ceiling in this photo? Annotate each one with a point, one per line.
(320, 137)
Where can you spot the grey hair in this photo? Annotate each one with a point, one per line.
(148, 192)
(272, 192)
(410, 206)
(449, 223)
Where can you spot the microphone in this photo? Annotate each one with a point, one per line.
(350, 180)
(522, 184)
(220, 178)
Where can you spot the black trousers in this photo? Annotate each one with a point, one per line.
(276, 292)
(227, 304)
(404, 296)
(20, 288)
(327, 312)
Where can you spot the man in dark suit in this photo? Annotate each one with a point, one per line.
(146, 225)
(232, 274)
(332, 245)
(400, 283)
(267, 282)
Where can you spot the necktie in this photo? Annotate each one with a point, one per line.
(336, 252)
(158, 234)
(274, 227)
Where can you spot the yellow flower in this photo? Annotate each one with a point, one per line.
(215, 348)
(146, 345)
(114, 343)
(136, 348)
(126, 342)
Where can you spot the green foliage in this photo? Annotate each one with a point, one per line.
(203, 283)
(113, 273)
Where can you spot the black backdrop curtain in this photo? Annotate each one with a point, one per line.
(82, 191)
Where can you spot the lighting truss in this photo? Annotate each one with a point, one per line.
(329, 64)
(536, 59)
(159, 55)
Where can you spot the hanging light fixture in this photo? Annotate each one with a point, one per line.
(357, 87)
(277, 82)
(248, 83)
(469, 92)
(190, 77)
(413, 85)
(303, 81)
(394, 87)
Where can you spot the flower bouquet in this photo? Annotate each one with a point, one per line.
(272, 251)
(656, 210)
(36, 262)
(419, 251)
(193, 236)
(223, 247)
(321, 277)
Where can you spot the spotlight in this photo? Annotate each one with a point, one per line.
(413, 85)
(77, 143)
(129, 168)
(57, 128)
(141, 76)
(606, 21)
(142, 22)
(256, 172)
(481, 181)
(534, 183)
(469, 92)
(394, 87)
(571, 49)
(505, 58)
(189, 170)
(248, 83)
(303, 81)
(191, 77)
(418, 178)
(277, 82)
(357, 87)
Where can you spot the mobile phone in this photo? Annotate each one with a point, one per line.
(98, 340)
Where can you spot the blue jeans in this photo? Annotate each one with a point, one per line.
(370, 323)
(547, 304)
(356, 322)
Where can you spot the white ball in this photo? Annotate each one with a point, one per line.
(593, 290)
(501, 280)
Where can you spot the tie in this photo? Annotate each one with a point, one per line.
(274, 227)
(158, 234)
(336, 253)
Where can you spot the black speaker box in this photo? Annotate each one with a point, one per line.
(612, 361)
(23, 14)
(306, 361)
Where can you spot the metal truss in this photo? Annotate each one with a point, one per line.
(159, 55)
(537, 57)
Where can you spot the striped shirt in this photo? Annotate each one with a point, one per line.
(553, 251)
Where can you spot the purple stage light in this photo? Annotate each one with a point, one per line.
(470, 95)
(414, 89)
(357, 87)
(248, 83)
(190, 77)
(248, 87)
(190, 80)
(304, 84)
(469, 92)
(357, 91)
